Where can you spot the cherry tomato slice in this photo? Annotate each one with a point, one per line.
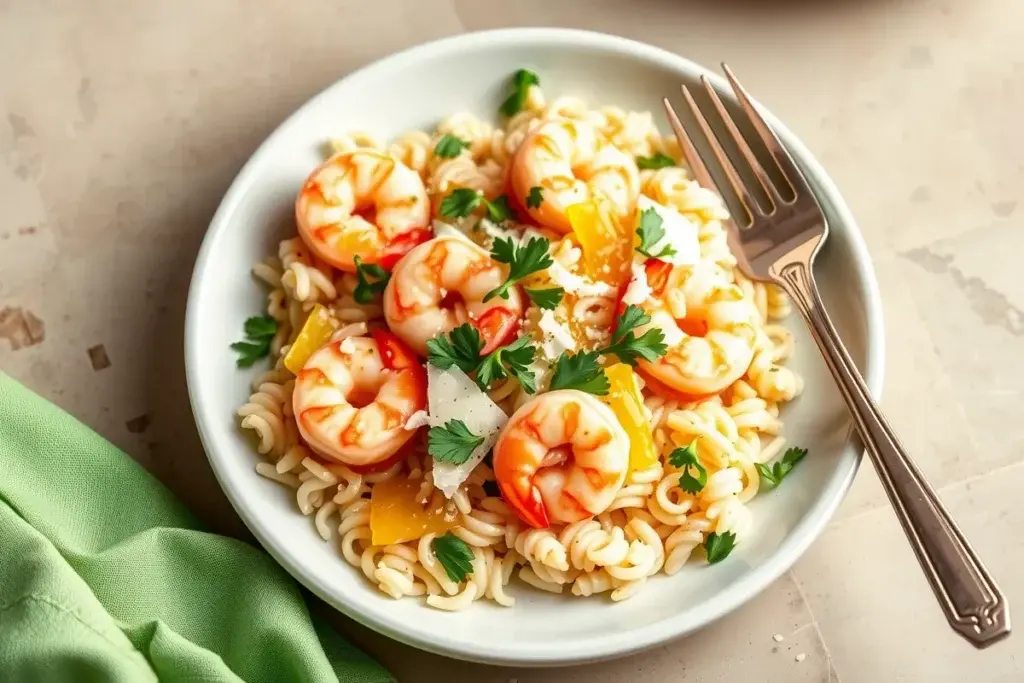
(657, 275)
(393, 351)
(496, 327)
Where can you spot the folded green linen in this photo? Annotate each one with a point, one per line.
(105, 576)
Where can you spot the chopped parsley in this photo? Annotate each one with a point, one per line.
(455, 556)
(718, 546)
(777, 472)
(499, 210)
(259, 332)
(548, 299)
(512, 360)
(452, 443)
(627, 346)
(687, 460)
(654, 162)
(462, 201)
(368, 288)
(650, 232)
(461, 348)
(449, 147)
(522, 261)
(521, 82)
(535, 198)
(580, 371)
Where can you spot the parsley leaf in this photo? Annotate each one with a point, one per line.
(461, 348)
(521, 82)
(455, 556)
(452, 443)
(366, 289)
(547, 299)
(777, 472)
(580, 371)
(462, 201)
(686, 458)
(650, 233)
(654, 162)
(718, 546)
(259, 332)
(260, 327)
(499, 210)
(449, 147)
(627, 346)
(512, 360)
(535, 198)
(522, 261)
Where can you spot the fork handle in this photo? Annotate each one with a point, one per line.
(972, 602)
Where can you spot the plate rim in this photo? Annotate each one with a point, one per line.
(612, 645)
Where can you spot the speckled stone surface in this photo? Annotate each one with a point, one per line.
(122, 124)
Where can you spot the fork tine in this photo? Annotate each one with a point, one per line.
(746, 200)
(755, 165)
(775, 147)
(690, 153)
(700, 171)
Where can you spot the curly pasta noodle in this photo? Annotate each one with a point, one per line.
(415, 149)
(653, 525)
(265, 414)
(472, 130)
(353, 140)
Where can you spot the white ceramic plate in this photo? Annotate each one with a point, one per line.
(415, 89)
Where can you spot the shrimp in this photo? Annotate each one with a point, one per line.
(440, 285)
(353, 398)
(562, 457)
(709, 327)
(362, 203)
(571, 162)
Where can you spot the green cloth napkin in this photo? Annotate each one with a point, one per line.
(105, 576)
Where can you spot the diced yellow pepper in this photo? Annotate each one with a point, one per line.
(626, 402)
(606, 240)
(396, 516)
(315, 332)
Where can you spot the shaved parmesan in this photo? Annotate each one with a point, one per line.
(557, 337)
(638, 290)
(452, 395)
(680, 233)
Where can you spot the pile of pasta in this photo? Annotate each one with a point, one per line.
(653, 525)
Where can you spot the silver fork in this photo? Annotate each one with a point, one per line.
(778, 244)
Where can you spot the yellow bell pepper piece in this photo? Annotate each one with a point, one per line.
(605, 239)
(315, 332)
(396, 516)
(626, 402)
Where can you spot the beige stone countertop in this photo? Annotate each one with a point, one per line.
(123, 123)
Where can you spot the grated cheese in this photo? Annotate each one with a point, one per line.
(574, 284)
(557, 337)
